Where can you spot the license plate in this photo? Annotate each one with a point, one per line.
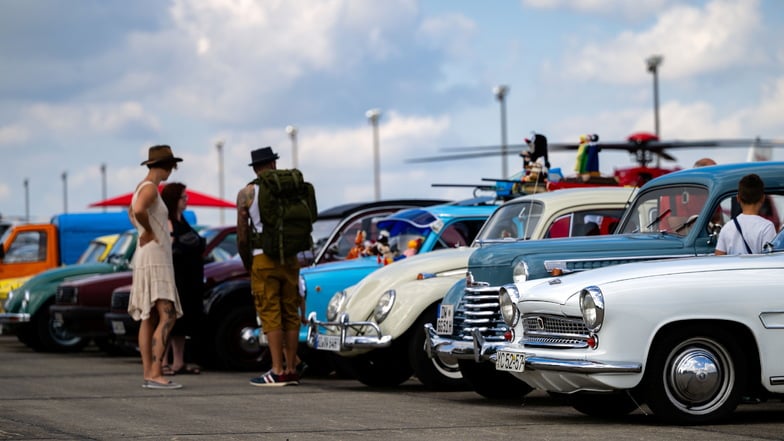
(328, 342)
(445, 321)
(58, 317)
(118, 327)
(508, 361)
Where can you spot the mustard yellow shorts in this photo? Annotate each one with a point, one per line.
(275, 289)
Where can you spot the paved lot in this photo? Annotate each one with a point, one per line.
(93, 396)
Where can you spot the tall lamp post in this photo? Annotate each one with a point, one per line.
(653, 62)
(292, 131)
(373, 115)
(103, 184)
(500, 93)
(65, 192)
(27, 199)
(219, 147)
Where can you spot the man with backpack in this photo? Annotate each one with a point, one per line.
(275, 213)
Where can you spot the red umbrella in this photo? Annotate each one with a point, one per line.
(195, 199)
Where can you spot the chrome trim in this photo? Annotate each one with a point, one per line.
(579, 366)
(436, 345)
(562, 264)
(776, 381)
(347, 342)
(10, 317)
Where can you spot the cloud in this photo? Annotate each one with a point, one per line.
(634, 10)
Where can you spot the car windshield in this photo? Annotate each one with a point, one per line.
(778, 242)
(321, 231)
(671, 210)
(120, 248)
(93, 253)
(512, 221)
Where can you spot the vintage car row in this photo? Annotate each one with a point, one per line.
(675, 215)
(690, 338)
(377, 324)
(229, 338)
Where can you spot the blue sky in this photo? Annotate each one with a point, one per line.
(96, 82)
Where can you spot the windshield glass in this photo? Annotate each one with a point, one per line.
(512, 221)
(778, 242)
(321, 231)
(93, 253)
(122, 245)
(671, 209)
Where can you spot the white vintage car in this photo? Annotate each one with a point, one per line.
(690, 338)
(377, 325)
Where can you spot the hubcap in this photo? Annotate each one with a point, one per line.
(696, 376)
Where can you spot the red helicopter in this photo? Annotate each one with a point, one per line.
(647, 148)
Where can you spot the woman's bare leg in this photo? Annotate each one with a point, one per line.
(159, 339)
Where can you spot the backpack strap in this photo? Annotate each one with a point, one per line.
(737, 225)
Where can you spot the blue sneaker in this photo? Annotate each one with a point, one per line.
(270, 379)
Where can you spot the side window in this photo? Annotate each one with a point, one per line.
(458, 234)
(560, 227)
(772, 210)
(345, 241)
(27, 247)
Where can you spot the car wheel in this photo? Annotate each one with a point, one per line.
(492, 384)
(231, 349)
(51, 335)
(382, 367)
(695, 376)
(601, 405)
(435, 373)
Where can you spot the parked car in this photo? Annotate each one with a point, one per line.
(230, 340)
(80, 304)
(688, 338)
(377, 325)
(675, 215)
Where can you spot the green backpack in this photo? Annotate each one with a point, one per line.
(287, 205)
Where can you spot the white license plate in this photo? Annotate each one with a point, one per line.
(58, 317)
(508, 361)
(328, 342)
(118, 327)
(445, 321)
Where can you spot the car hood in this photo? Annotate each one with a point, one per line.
(353, 264)
(64, 272)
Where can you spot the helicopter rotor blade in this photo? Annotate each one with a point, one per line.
(461, 156)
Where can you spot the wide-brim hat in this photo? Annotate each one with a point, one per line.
(262, 156)
(160, 154)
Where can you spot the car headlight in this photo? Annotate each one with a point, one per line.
(384, 305)
(520, 272)
(592, 307)
(335, 305)
(507, 301)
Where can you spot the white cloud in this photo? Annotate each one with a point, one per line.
(631, 9)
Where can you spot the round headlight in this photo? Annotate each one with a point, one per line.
(592, 307)
(507, 301)
(384, 305)
(520, 272)
(335, 305)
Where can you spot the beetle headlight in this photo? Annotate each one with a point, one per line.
(507, 301)
(520, 272)
(384, 305)
(335, 305)
(592, 307)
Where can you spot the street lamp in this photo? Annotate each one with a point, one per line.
(500, 94)
(653, 62)
(103, 184)
(219, 147)
(373, 115)
(65, 192)
(27, 199)
(292, 131)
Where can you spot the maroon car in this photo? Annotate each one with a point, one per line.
(80, 304)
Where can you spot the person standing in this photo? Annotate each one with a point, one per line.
(187, 252)
(154, 300)
(274, 279)
(748, 232)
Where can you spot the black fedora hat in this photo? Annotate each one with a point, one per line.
(262, 156)
(160, 154)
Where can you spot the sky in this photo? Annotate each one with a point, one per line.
(88, 84)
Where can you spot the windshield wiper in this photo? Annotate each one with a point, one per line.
(688, 223)
(658, 219)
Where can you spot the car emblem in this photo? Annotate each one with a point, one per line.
(555, 282)
(540, 323)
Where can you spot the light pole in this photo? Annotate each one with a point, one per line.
(292, 131)
(103, 184)
(219, 147)
(500, 94)
(653, 62)
(373, 115)
(27, 199)
(65, 192)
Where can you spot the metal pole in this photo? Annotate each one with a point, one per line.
(219, 147)
(27, 199)
(373, 115)
(653, 62)
(500, 94)
(65, 192)
(103, 184)
(292, 131)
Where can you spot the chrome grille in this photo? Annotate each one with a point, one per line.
(65, 294)
(554, 331)
(479, 309)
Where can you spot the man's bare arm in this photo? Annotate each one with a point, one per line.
(244, 200)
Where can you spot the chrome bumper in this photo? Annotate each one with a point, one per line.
(438, 346)
(347, 342)
(534, 362)
(8, 318)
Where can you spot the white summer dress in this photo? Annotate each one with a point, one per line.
(153, 271)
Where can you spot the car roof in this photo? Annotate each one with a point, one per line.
(341, 211)
(723, 178)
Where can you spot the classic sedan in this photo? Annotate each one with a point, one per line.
(690, 338)
(377, 325)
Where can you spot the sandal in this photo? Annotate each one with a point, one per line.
(188, 370)
(167, 370)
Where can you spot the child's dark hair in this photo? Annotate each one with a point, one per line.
(751, 189)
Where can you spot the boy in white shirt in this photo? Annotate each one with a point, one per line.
(748, 232)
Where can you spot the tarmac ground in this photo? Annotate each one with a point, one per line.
(93, 396)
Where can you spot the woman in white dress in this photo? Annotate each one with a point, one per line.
(154, 299)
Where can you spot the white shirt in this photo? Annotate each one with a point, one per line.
(255, 217)
(756, 230)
